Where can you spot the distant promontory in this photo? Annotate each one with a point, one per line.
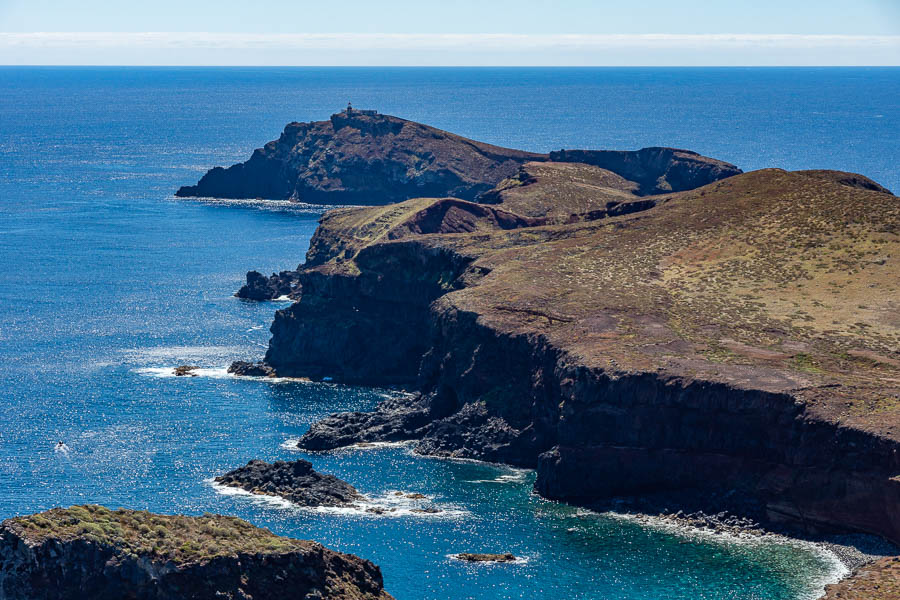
(362, 157)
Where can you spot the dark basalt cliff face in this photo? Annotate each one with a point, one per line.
(689, 344)
(309, 336)
(361, 157)
(92, 552)
(655, 170)
(296, 481)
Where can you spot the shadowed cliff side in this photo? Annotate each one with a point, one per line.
(655, 170)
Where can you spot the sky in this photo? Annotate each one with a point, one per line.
(451, 32)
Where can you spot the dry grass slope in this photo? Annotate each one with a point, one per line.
(178, 538)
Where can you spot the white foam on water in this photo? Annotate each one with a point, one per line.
(185, 354)
(262, 499)
(397, 503)
(387, 505)
(259, 203)
(366, 446)
(284, 298)
(215, 373)
(835, 571)
(516, 476)
(211, 372)
(291, 444)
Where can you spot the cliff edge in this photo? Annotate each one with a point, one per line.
(93, 552)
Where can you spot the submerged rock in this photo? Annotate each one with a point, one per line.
(296, 481)
(486, 557)
(92, 552)
(251, 369)
(186, 370)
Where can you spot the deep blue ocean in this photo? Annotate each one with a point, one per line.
(107, 281)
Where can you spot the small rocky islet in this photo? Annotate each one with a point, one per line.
(486, 557)
(295, 481)
(299, 483)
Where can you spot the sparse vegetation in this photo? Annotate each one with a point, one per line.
(168, 537)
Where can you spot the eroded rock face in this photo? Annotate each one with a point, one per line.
(655, 170)
(296, 481)
(278, 285)
(361, 157)
(320, 336)
(92, 552)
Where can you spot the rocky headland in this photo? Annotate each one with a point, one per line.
(739, 336)
(295, 481)
(361, 157)
(93, 552)
(652, 324)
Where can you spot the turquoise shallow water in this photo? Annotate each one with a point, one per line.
(105, 279)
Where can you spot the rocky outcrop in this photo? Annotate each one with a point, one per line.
(92, 552)
(251, 369)
(278, 285)
(655, 170)
(363, 158)
(296, 481)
